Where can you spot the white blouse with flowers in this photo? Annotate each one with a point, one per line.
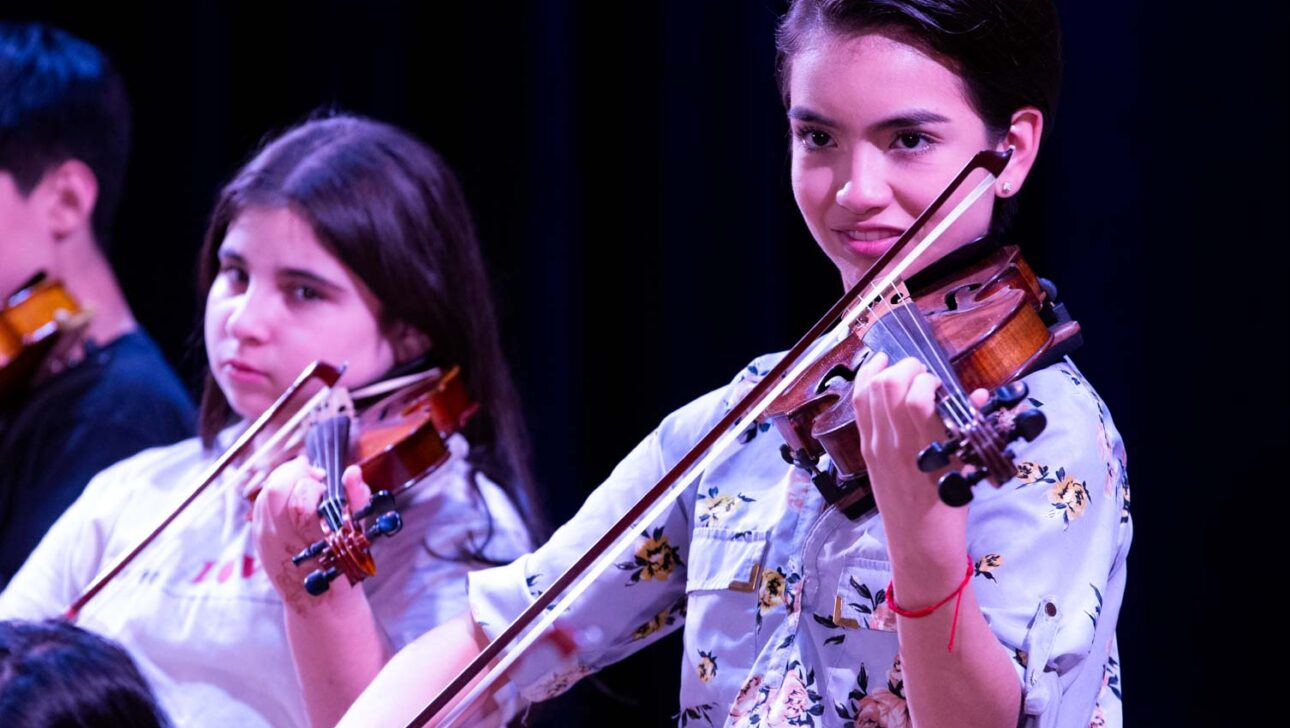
(781, 596)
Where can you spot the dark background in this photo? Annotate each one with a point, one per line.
(627, 164)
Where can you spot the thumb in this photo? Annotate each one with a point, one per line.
(356, 490)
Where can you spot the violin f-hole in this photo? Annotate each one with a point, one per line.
(952, 295)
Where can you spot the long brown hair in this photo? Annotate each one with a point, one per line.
(389, 208)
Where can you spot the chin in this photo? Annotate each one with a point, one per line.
(247, 406)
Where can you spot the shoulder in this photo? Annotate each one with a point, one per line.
(1072, 406)
(457, 505)
(134, 377)
(681, 429)
(162, 468)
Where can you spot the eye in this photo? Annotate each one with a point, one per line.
(812, 139)
(305, 294)
(233, 272)
(912, 141)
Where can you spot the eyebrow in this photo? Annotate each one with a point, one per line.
(913, 117)
(299, 274)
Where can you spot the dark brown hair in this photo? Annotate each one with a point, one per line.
(61, 99)
(1008, 52)
(56, 675)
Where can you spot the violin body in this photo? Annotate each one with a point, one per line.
(987, 318)
(31, 323)
(395, 442)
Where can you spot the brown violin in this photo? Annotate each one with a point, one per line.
(395, 442)
(32, 322)
(983, 312)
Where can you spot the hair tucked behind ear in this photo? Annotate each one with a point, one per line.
(1008, 52)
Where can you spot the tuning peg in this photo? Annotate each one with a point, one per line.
(382, 500)
(1006, 397)
(955, 488)
(320, 581)
(309, 553)
(786, 452)
(937, 455)
(387, 524)
(1028, 425)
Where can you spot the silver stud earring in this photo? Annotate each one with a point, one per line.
(1006, 189)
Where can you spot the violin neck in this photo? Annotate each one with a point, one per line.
(326, 444)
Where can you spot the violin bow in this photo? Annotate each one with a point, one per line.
(596, 560)
(327, 373)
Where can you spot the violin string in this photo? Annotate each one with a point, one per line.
(930, 356)
(331, 455)
(955, 399)
(983, 439)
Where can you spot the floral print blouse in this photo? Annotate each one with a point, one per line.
(782, 596)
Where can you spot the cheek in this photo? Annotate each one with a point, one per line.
(215, 315)
(812, 191)
(356, 340)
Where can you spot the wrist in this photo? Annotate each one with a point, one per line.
(925, 577)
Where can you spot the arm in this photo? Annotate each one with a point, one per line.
(336, 643)
(416, 675)
(619, 606)
(975, 684)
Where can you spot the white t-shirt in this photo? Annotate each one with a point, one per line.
(196, 611)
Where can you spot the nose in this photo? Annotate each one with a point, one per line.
(864, 189)
(248, 319)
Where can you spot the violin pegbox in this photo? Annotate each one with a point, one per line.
(982, 443)
(346, 544)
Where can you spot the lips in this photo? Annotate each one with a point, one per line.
(241, 371)
(869, 241)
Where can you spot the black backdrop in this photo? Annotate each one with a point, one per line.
(627, 164)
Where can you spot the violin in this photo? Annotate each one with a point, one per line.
(394, 442)
(876, 313)
(397, 437)
(989, 317)
(33, 320)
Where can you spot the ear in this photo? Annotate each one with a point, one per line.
(69, 192)
(409, 342)
(1024, 133)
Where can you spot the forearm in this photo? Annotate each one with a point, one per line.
(338, 649)
(972, 685)
(412, 679)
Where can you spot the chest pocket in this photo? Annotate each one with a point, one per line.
(724, 559)
(722, 582)
(860, 601)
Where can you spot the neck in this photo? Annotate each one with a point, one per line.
(89, 277)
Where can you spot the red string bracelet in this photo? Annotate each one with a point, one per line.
(956, 595)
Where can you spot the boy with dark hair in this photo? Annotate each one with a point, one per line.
(64, 140)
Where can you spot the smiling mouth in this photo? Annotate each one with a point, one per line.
(868, 236)
(869, 243)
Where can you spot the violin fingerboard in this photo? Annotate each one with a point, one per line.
(326, 444)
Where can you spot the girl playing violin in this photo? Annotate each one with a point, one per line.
(794, 611)
(344, 240)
